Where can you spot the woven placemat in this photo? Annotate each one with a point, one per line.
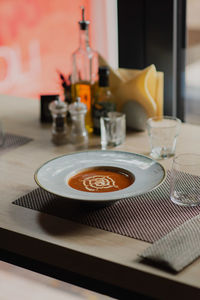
(13, 141)
(147, 217)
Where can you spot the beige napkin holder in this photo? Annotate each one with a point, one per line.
(138, 93)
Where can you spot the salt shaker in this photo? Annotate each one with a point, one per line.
(79, 133)
(59, 127)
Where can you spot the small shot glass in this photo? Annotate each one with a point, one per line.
(163, 133)
(113, 129)
(2, 134)
(185, 180)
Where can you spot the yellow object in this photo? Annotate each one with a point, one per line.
(159, 94)
(138, 93)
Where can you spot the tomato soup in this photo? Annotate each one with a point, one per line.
(101, 180)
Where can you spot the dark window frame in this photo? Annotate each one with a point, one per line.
(154, 32)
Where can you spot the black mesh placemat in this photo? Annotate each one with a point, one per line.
(13, 141)
(146, 217)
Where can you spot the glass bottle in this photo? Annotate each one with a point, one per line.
(104, 100)
(84, 70)
(58, 111)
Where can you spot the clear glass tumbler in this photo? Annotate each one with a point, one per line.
(185, 180)
(163, 133)
(113, 129)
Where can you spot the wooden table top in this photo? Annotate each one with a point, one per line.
(96, 254)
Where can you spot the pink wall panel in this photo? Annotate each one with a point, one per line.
(37, 39)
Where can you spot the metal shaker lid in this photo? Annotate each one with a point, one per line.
(58, 106)
(77, 107)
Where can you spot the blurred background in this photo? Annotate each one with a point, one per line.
(192, 72)
(37, 39)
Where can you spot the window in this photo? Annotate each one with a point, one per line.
(192, 96)
(153, 32)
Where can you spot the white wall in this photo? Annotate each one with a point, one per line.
(104, 33)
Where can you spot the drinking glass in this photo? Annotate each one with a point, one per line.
(113, 129)
(185, 180)
(163, 133)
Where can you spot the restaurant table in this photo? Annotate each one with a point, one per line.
(86, 256)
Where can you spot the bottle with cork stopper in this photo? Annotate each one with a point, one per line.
(104, 101)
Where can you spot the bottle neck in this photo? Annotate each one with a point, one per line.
(104, 81)
(84, 39)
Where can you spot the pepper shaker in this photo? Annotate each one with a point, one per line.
(59, 126)
(79, 133)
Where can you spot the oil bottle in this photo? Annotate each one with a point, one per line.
(84, 70)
